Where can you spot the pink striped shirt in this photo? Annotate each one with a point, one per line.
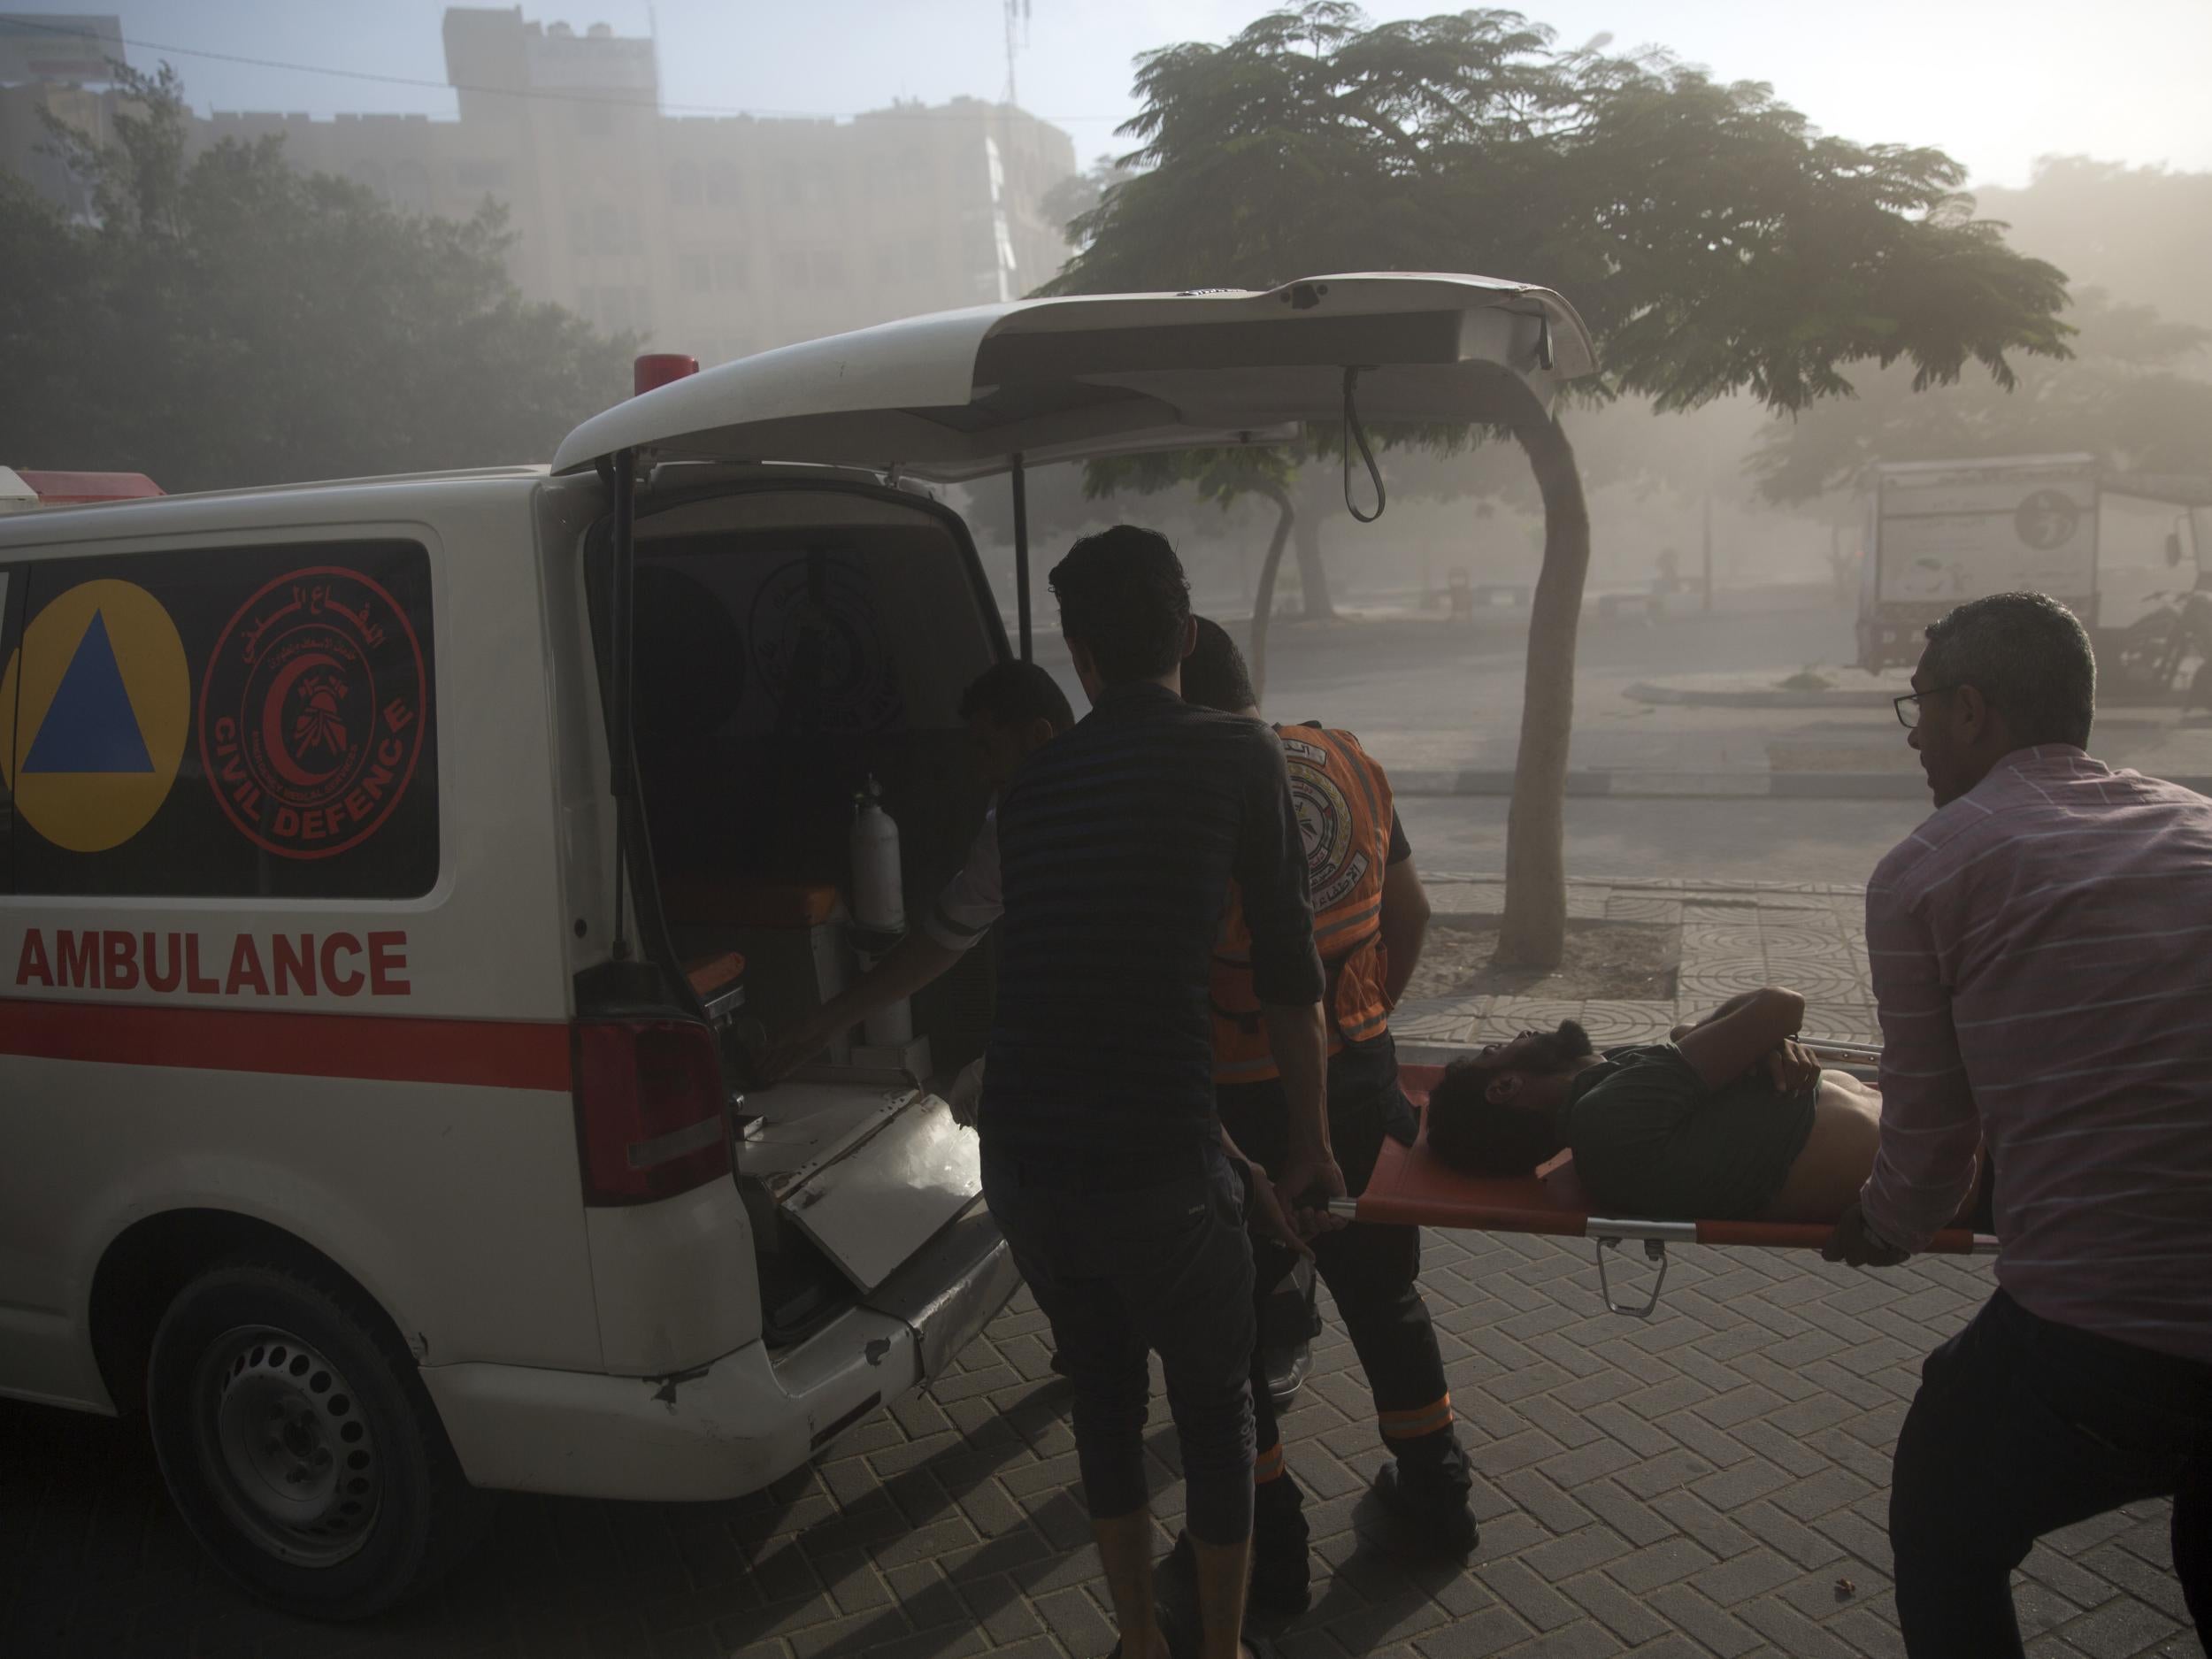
(2042, 954)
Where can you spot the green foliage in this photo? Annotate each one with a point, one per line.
(230, 321)
(2122, 397)
(1711, 238)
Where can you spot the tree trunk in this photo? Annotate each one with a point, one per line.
(1264, 600)
(1313, 580)
(1534, 933)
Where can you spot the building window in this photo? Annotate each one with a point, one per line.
(683, 183)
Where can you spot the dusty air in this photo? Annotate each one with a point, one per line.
(992, 826)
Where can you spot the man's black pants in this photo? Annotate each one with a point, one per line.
(1371, 1272)
(2021, 1427)
(1130, 1257)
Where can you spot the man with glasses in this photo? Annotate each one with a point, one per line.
(2041, 951)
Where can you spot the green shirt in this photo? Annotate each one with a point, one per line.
(1651, 1139)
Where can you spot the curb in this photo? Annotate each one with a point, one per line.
(1673, 696)
(1698, 786)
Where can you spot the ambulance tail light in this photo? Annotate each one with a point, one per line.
(650, 1120)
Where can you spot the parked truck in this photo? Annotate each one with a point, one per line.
(1939, 532)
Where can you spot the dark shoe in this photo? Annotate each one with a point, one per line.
(1286, 1370)
(1290, 1321)
(1443, 1520)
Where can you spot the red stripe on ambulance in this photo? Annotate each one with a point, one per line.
(494, 1053)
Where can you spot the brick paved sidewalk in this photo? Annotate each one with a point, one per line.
(1810, 938)
(1711, 1482)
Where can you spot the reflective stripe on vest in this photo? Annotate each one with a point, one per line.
(1343, 803)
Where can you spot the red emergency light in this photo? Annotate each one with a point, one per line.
(659, 368)
(65, 489)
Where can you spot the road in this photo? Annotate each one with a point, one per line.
(1423, 692)
(1616, 839)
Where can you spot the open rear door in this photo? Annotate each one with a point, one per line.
(956, 395)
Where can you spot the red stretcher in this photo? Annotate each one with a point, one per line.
(1410, 1188)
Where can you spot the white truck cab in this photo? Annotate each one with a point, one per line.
(387, 866)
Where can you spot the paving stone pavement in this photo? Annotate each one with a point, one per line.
(1711, 1482)
(1732, 939)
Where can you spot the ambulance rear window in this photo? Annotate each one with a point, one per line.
(228, 722)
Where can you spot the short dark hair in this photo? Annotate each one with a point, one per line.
(2029, 657)
(1470, 1133)
(1124, 598)
(1013, 693)
(1214, 674)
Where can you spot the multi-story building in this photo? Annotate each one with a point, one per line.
(718, 236)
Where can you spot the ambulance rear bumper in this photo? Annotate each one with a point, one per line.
(731, 1427)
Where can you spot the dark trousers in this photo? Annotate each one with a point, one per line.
(1371, 1273)
(2022, 1426)
(1120, 1269)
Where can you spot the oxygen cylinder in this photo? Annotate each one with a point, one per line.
(878, 895)
(879, 905)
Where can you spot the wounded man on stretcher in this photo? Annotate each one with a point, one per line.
(1733, 1119)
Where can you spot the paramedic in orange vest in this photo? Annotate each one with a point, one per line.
(1369, 916)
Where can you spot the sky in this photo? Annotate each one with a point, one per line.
(1995, 83)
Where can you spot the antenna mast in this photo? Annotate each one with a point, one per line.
(1017, 38)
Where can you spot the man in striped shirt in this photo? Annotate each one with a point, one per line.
(2041, 951)
(1104, 1162)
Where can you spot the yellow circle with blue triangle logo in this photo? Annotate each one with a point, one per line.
(102, 700)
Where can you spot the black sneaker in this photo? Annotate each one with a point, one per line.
(1445, 1521)
(1286, 1370)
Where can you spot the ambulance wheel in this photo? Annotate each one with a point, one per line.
(299, 1444)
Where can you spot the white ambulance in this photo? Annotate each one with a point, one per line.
(384, 865)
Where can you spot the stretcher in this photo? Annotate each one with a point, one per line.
(1411, 1188)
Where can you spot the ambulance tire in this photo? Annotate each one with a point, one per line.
(299, 1443)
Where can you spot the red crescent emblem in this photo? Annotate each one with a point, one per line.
(312, 712)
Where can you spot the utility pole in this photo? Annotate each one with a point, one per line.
(1709, 552)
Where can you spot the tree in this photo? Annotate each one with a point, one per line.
(2145, 234)
(227, 321)
(1223, 478)
(2122, 397)
(1078, 196)
(1710, 238)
